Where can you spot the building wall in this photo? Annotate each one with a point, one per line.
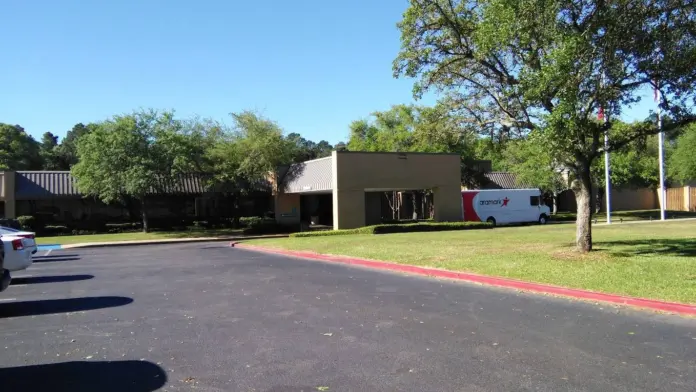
(7, 193)
(287, 208)
(354, 173)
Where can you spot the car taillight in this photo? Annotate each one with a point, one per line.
(17, 245)
(30, 236)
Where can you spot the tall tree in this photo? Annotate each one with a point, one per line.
(242, 158)
(66, 151)
(682, 164)
(550, 66)
(18, 150)
(47, 149)
(131, 156)
(305, 150)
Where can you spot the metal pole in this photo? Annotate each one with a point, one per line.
(607, 175)
(661, 141)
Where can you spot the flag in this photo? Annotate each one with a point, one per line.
(600, 115)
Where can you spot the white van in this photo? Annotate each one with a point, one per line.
(504, 206)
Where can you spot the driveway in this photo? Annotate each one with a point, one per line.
(207, 317)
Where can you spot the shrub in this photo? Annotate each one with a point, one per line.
(12, 223)
(27, 222)
(406, 228)
(126, 227)
(250, 221)
(429, 226)
(83, 232)
(55, 230)
(268, 226)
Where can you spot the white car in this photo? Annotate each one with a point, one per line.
(15, 255)
(4, 230)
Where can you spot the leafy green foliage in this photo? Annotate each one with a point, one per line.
(305, 150)
(48, 151)
(682, 164)
(66, 151)
(534, 165)
(408, 128)
(398, 228)
(131, 156)
(521, 66)
(27, 222)
(236, 159)
(18, 150)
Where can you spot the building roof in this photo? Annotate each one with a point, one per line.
(48, 184)
(310, 176)
(502, 180)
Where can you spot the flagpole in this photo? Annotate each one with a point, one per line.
(607, 175)
(607, 170)
(661, 142)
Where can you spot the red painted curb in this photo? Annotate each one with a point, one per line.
(672, 307)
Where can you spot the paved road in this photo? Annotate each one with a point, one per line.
(206, 317)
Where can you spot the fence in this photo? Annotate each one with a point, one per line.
(681, 199)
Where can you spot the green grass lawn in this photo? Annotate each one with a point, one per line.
(138, 236)
(652, 260)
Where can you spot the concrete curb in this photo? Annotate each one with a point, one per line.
(165, 241)
(670, 307)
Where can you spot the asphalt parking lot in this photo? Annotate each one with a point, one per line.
(207, 317)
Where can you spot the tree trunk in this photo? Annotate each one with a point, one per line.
(554, 202)
(235, 210)
(582, 187)
(598, 200)
(143, 212)
(414, 205)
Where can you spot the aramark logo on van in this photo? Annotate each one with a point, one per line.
(504, 202)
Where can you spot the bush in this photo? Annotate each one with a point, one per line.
(27, 222)
(268, 226)
(11, 223)
(55, 230)
(250, 221)
(127, 227)
(407, 228)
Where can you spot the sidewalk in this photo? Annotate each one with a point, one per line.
(156, 242)
(615, 221)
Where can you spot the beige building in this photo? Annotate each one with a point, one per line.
(345, 190)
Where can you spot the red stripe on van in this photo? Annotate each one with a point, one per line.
(470, 214)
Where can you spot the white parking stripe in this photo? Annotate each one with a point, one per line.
(49, 252)
(7, 299)
(19, 285)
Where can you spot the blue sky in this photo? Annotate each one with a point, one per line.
(313, 66)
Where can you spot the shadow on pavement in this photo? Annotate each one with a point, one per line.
(116, 376)
(52, 259)
(49, 306)
(50, 279)
(57, 255)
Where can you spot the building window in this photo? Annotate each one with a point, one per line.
(534, 200)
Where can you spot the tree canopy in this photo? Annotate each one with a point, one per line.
(130, 156)
(18, 150)
(550, 66)
(682, 161)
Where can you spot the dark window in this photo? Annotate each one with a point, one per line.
(534, 200)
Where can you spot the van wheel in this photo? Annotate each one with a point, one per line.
(543, 219)
(491, 220)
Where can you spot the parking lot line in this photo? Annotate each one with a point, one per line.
(7, 299)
